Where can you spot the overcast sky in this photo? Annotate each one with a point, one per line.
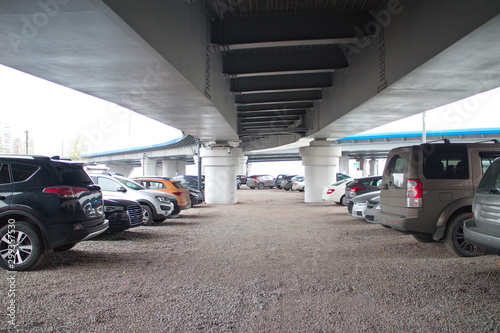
(55, 116)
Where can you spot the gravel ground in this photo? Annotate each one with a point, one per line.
(270, 263)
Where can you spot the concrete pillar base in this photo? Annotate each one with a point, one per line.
(220, 165)
(321, 164)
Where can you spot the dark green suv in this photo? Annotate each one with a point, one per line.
(45, 204)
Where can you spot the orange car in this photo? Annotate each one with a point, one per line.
(165, 184)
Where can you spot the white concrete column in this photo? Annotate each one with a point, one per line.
(172, 168)
(123, 169)
(242, 165)
(148, 167)
(344, 164)
(373, 167)
(321, 164)
(221, 164)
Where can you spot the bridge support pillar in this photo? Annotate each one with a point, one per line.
(321, 163)
(242, 165)
(148, 167)
(221, 165)
(373, 167)
(172, 168)
(344, 164)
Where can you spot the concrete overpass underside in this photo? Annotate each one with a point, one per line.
(263, 72)
(245, 75)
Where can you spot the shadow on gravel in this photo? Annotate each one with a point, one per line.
(129, 235)
(175, 223)
(84, 259)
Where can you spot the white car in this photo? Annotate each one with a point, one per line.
(298, 183)
(357, 206)
(336, 191)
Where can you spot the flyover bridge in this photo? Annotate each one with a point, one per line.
(245, 75)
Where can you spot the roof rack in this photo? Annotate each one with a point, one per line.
(494, 141)
(445, 141)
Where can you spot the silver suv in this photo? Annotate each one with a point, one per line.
(156, 206)
(427, 190)
(483, 230)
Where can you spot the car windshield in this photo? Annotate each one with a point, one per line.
(130, 184)
(490, 183)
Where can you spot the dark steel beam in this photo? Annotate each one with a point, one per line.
(274, 97)
(281, 82)
(264, 30)
(275, 62)
(267, 107)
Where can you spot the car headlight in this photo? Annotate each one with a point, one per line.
(110, 209)
(162, 199)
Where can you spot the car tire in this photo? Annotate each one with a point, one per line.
(287, 189)
(29, 237)
(147, 215)
(341, 200)
(424, 238)
(65, 247)
(454, 239)
(302, 190)
(260, 186)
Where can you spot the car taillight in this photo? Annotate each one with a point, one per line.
(413, 193)
(66, 191)
(177, 193)
(330, 191)
(356, 188)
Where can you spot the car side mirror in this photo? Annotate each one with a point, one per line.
(121, 189)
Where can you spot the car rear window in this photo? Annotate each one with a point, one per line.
(395, 171)
(445, 162)
(4, 174)
(71, 174)
(179, 185)
(22, 172)
(490, 183)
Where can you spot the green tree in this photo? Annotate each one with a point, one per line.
(78, 149)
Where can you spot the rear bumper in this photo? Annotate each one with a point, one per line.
(66, 233)
(404, 224)
(482, 239)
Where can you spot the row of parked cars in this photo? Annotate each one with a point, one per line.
(446, 192)
(48, 204)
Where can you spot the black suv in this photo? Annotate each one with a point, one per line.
(45, 204)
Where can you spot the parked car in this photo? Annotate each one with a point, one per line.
(156, 206)
(122, 214)
(167, 185)
(190, 181)
(359, 203)
(45, 204)
(286, 182)
(342, 176)
(278, 179)
(298, 183)
(242, 179)
(427, 190)
(483, 230)
(260, 181)
(373, 207)
(196, 196)
(336, 191)
(361, 186)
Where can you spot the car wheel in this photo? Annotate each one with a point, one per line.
(341, 200)
(20, 246)
(147, 215)
(454, 239)
(424, 238)
(65, 247)
(287, 189)
(260, 186)
(302, 190)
